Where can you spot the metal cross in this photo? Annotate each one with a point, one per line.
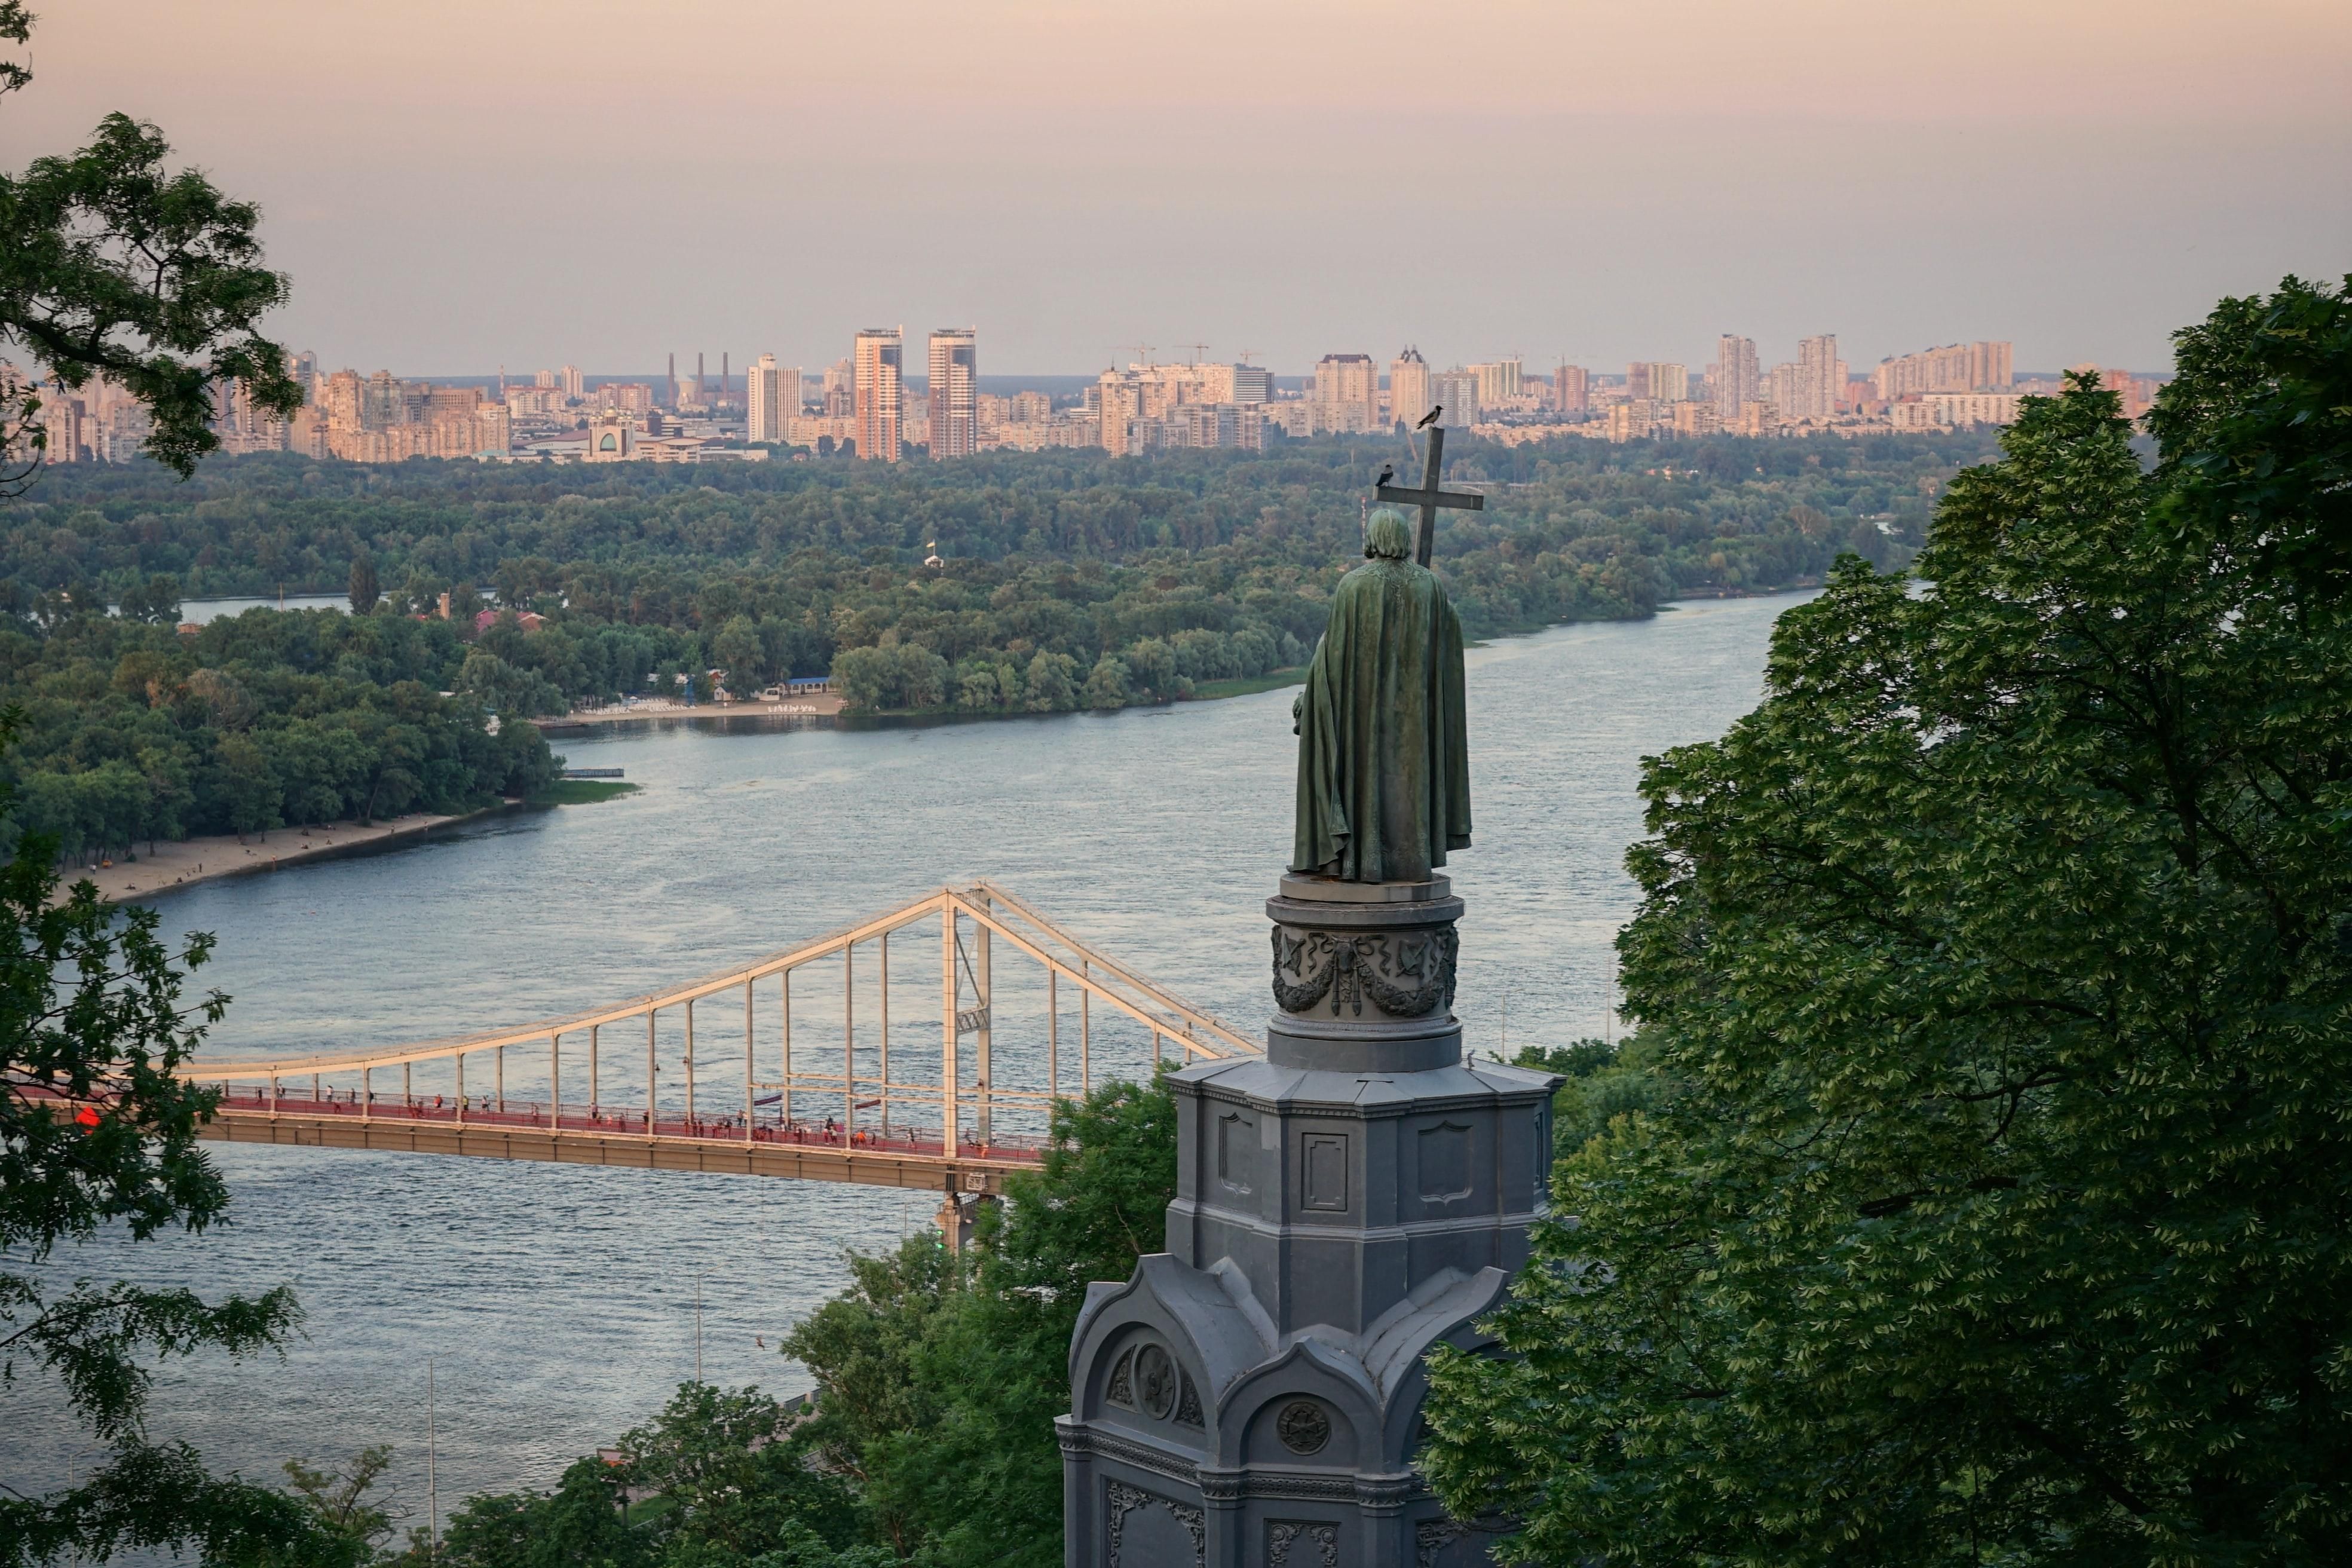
(1429, 498)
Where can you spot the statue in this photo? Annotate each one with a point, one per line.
(1383, 763)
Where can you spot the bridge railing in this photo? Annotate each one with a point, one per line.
(861, 1084)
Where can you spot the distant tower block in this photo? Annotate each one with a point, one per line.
(764, 409)
(955, 375)
(877, 357)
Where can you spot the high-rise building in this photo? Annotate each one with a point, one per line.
(1983, 366)
(1738, 379)
(1822, 377)
(1117, 400)
(1349, 381)
(1457, 390)
(575, 385)
(876, 356)
(955, 382)
(1497, 379)
(1253, 383)
(839, 398)
(764, 412)
(548, 378)
(1409, 396)
(1658, 381)
(1572, 389)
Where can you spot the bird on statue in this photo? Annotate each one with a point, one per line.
(1388, 472)
(1430, 419)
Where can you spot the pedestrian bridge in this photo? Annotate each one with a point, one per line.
(808, 1082)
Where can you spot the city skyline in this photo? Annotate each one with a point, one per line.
(2082, 183)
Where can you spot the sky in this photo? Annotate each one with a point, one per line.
(457, 186)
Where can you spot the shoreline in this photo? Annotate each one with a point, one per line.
(826, 706)
(193, 860)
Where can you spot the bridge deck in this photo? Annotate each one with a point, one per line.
(579, 1137)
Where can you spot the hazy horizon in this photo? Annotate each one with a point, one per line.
(537, 184)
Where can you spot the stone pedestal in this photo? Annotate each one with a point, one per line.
(1253, 1395)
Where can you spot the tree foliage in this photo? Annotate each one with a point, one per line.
(939, 1377)
(98, 1129)
(132, 733)
(1992, 1204)
(114, 265)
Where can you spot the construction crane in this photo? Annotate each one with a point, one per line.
(1198, 350)
(1246, 356)
(1142, 352)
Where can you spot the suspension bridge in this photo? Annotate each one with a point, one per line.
(835, 1097)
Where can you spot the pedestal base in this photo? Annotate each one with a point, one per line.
(1253, 1395)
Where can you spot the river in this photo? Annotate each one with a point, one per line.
(557, 1303)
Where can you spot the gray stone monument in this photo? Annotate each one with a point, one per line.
(1253, 1395)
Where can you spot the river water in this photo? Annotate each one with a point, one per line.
(557, 1303)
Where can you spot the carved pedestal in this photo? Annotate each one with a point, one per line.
(1253, 1395)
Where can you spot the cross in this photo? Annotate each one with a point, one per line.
(1429, 498)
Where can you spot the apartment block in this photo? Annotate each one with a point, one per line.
(1409, 394)
(954, 384)
(877, 354)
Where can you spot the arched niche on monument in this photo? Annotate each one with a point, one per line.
(1298, 1414)
(1149, 1381)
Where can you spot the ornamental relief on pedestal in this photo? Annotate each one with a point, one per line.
(1404, 976)
(1123, 1499)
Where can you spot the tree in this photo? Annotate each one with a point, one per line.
(742, 654)
(155, 600)
(1107, 686)
(364, 589)
(1052, 683)
(939, 1378)
(98, 1130)
(349, 1523)
(721, 1456)
(1990, 1206)
(111, 264)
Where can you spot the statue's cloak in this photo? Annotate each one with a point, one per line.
(1384, 763)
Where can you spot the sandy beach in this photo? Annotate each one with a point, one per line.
(823, 705)
(203, 860)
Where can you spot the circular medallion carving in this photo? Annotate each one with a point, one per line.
(1303, 1426)
(1155, 1380)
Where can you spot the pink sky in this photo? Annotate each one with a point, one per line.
(455, 186)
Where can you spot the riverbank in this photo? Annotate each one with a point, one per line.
(194, 860)
(1206, 691)
(824, 705)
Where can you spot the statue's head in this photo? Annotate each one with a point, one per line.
(1388, 537)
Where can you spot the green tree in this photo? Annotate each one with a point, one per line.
(939, 1377)
(98, 1129)
(1999, 977)
(742, 655)
(157, 600)
(722, 1457)
(862, 1347)
(1052, 684)
(349, 1522)
(363, 589)
(111, 265)
(244, 782)
(1107, 686)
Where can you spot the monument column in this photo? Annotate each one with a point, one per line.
(1359, 1196)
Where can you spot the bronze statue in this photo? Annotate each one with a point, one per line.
(1384, 763)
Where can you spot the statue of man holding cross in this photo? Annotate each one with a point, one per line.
(1383, 764)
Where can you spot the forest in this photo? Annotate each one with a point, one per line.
(1008, 581)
